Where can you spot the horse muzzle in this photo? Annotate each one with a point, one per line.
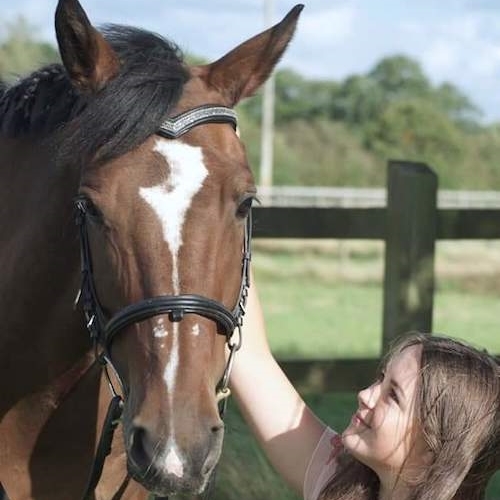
(165, 466)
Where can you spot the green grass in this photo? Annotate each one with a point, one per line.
(472, 318)
(312, 311)
(309, 320)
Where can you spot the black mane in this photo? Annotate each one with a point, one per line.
(111, 122)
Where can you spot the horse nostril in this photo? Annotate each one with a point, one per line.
(217, 428)
(138, 452)
(215, 440)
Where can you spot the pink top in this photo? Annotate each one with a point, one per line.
(322, 464)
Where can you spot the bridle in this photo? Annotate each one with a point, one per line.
(103, 329)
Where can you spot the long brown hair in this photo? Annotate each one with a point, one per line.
(457, 405)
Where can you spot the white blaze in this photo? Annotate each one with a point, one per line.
(159, 330)
(173, 464)
(171, 369)
(170, 200)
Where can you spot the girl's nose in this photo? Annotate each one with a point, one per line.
(368, 397)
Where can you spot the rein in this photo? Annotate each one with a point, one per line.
(103, 330)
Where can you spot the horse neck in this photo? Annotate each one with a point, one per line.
(39, 258)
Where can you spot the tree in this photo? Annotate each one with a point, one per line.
(457, 106)
(358, 100)
(295, 98)
(413, 129)
(21, 52)
(400, 77)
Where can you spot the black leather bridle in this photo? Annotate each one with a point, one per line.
(103, 329)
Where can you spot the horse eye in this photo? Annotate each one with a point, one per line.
(244, 207)
(93, 213)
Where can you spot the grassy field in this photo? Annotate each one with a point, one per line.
(324, 300)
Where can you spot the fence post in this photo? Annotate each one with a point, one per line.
(409, 249)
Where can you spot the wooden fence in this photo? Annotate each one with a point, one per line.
(410, 224)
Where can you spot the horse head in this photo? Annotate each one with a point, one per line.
(165, 192)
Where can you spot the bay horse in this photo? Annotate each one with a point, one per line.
(143, 151)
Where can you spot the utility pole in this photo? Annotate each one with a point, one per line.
(267, 137)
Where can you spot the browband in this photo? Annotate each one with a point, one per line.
(172, 128)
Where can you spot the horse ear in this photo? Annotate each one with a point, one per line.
(88, 58)
(243, 70)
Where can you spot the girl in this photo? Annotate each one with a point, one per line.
(427, 429)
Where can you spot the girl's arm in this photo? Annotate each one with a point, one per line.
(284, 426)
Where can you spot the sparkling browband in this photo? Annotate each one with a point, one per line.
(172, 128)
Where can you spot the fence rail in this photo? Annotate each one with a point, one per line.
(368, 223)
(317, 196)
(410, 215)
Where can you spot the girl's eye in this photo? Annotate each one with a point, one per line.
(244, 207)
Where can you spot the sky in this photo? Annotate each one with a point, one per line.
(453, 40)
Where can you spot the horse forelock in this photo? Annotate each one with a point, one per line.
(114, 120)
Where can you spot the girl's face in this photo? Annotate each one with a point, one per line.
(382, 432)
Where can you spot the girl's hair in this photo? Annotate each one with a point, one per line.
(457, 411)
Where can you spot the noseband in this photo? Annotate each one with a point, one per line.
(103, 330)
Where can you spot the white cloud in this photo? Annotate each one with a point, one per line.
(462, 48)
(440, 58)
(328, 26)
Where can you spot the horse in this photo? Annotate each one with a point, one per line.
(123, 178)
